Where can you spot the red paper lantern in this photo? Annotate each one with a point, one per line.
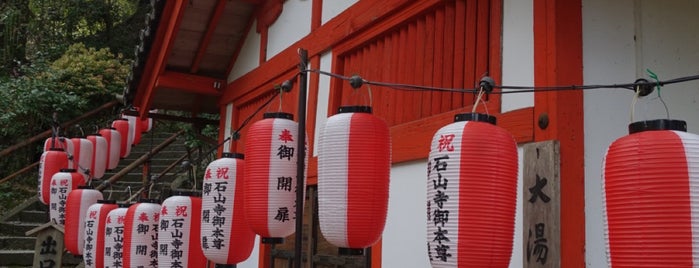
(82, 157)
(141, 234)
(114, 237)
(113, 138)
(79, 200)
(650, 197)
(122, 126)
(62, 183)
(134, 128)
(95, 223)
(354, 164)
(270, 177)
(147, 123)
(52, 161)
(225, 235)
(60, 143)
(99, 155)
(471, 194)
(180, 224)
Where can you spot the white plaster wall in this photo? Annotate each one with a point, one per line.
(517, 52)
(323, 96)
(332, 8)
(668, 43)
(404, 236)
(249, 57)
(293, 24)
(227, 127)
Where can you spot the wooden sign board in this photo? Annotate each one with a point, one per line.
(48, 249)
(542, 233)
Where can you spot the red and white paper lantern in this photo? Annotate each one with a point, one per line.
(60, 143)
(79, 200)
(95, 223)
(270, 177)
(113, 138)
(52, 161)
(141, 234)
(134, 128)
(114, 237)
(62, 183)
(651, 203)
(122, 126)
(225, 235)
(179, 232)
(147, 123)
(82, 156)
(99, 155)
(354, 161)
(471, 194)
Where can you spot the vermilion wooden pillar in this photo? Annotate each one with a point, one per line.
(558, 115)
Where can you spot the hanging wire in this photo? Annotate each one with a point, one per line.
(651, 74)
(515, 89)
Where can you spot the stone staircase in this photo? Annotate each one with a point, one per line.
(17, 250)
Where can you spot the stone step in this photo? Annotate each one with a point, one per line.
(35, 216)
(16, 242)
(24, 258)
(16, 228)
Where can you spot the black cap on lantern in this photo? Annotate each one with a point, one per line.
(486, 118)
(350, 251)
(278, 115)
(106, 201)
(149, 200)
(233, 155)
(354, 109)
(68, 170)
(85, 187)
(658, 124)
(187, 193)
(124, 205)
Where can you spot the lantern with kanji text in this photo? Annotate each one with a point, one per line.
(114, 236)
(141, 234)
(179, 231)
(270, 177)
(95, 237)
(62, 183)
(79, 200)
(471, 193)
(225, 235)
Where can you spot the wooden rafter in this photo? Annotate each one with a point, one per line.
(190, 83)
(210, 29)
(167, 32)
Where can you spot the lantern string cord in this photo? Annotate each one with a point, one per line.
(512, 89)
(633, 105)
(478, 99)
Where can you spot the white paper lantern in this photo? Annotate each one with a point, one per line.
(225, 235)
(95, 222)
(100, 150)
(114, 237)
(62, 183)
(141, 234)
(113, 138)
(179, 241)
(82, 157)
(79, 200)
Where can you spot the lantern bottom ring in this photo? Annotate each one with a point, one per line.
(272, 240)
(350, 251)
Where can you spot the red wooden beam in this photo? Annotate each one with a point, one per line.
(190, 83)
(356, 18)
(558, 61)
(169, 29)
(210, 29)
